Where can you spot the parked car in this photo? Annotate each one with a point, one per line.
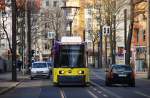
(40, 69)
(120, 74)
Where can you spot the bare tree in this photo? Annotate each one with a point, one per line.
(107, 13)
(4, 26)
(94, 38)
(55, 21)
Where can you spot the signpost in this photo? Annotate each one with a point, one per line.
(106, 32)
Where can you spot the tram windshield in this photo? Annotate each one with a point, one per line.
(72, 56)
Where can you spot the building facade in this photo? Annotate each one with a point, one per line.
(45, 31)
(139, 41)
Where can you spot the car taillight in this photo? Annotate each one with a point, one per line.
(111, 74)
(133, 75)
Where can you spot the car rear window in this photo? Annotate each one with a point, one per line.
(39, 65)
(122, 68)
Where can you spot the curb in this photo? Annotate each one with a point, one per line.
(5, 90)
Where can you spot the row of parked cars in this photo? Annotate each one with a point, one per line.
(41, 68)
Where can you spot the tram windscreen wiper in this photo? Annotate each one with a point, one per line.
(64, 66)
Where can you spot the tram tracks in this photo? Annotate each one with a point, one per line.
(62, 93)
(103, 91)
(96, 92)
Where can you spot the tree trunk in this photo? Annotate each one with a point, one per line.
(93, 54)
(114, 40)
(14, 73)
(29, 32)
(125, 33)
(130, 33)
(111, 45)
(100, 48)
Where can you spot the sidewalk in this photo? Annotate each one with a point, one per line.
(6, 84)
(141, 75)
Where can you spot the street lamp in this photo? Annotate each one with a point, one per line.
(70, 12)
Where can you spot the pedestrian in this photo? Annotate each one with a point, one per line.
(19, 64)
(1, 64)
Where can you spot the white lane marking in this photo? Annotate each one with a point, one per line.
(92, 94)
(142, 94)
(99, 92)
(62, 93)
(93, 88)
(106, 90)
(105, 95)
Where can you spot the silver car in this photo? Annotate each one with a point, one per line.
(50, 65)
(40, 69)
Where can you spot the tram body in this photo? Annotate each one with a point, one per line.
(70, 62)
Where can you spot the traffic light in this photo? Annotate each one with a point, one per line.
(106, 30)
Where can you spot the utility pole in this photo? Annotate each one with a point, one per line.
(125, 33)
(100, 47)
(148, 40)
(14, 74)
(29, 31)
(106, 51)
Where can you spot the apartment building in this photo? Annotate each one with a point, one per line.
(139, 41)
(46, 32)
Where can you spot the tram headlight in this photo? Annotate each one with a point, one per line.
(61, 72)
(81, 72)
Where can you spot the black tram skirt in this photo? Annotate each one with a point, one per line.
(71, 80)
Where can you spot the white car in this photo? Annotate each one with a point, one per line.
(50, 65)
(39, 69)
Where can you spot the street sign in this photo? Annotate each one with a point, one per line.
(51, 35)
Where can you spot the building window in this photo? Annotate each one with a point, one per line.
(47, 3)
(144, 35)
(47, 46)
(47, 25)
(64, 2)
(55, 4)
(89, 12)
(137, 35)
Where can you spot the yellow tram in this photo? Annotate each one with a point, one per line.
(70, 62)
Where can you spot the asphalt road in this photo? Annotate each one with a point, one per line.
(43, 88)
